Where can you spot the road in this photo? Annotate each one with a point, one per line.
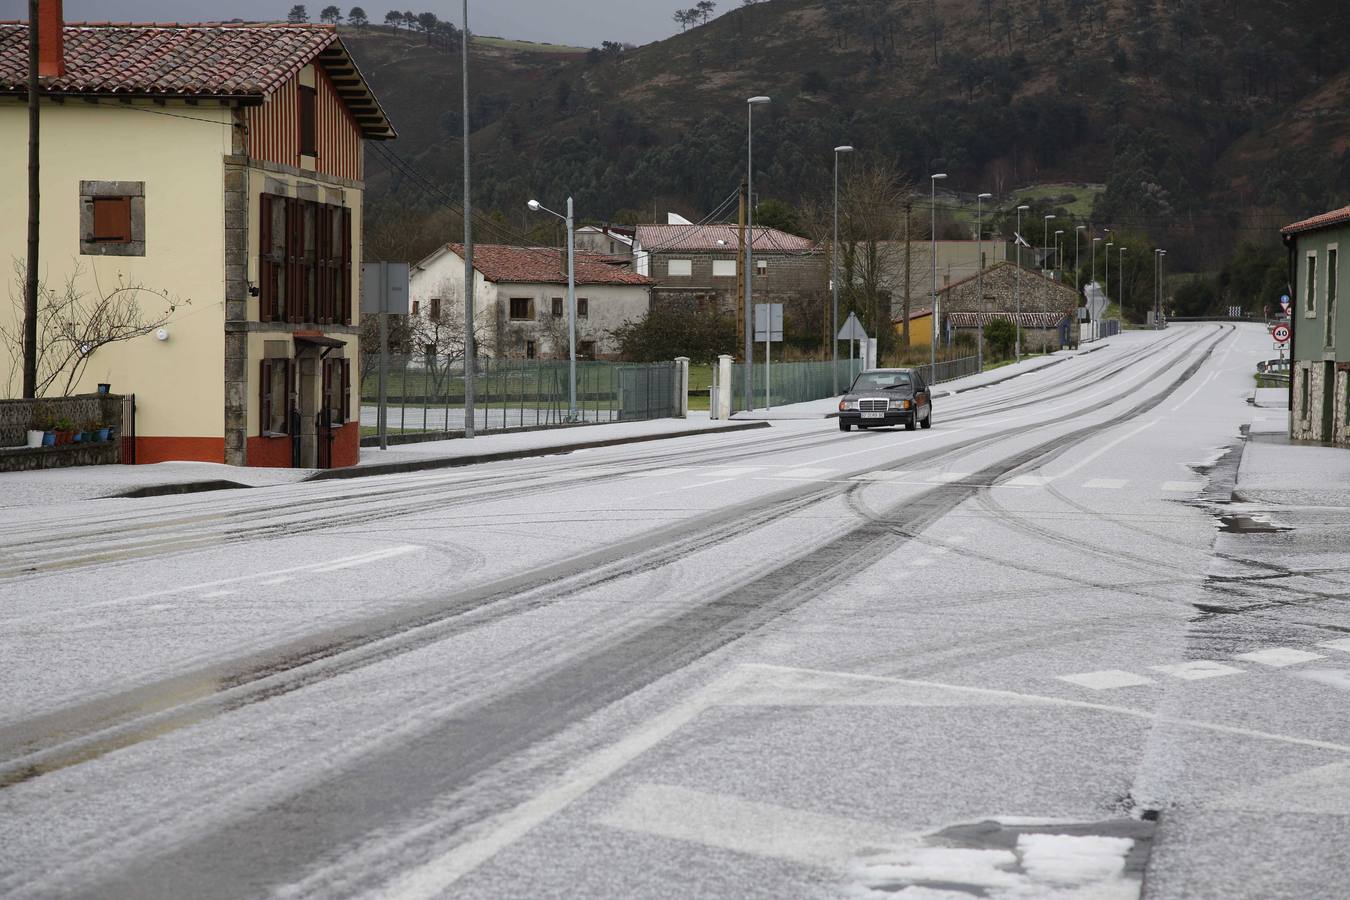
(1012, 656)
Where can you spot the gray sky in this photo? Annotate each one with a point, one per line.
(582, 22)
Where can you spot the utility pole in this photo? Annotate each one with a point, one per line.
(909, 206)
(30, 281)
(470, 353)
(740, 282)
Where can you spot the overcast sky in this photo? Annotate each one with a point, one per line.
(582, 22)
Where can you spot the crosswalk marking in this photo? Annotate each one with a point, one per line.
(948, 477)
(1106, 484)
(1279, 657)
(1029, 481)
(1341, 644)
(659, 473)
(881, 475)
(1106, 679)
(730, 471)
(1197, 669)
(1183, 485)
(804, 472)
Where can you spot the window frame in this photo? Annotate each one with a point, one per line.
(558, 307)
(129, 199)
(687, 264)
(583, 308)
(307, 120)
(1310, 285)
(266, 398)
(761, 266)
(435, 311)
(311, 269)
(1331, 294)
(511, 309)
(735, 268)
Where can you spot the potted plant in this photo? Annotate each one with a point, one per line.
(45, 424)
(89, 431)
(103, 432)
(65, 431)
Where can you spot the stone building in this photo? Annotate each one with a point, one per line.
(1320, 348)
(1049, 310)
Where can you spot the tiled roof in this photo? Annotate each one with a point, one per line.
(1325, 220)
(1027, 319)
(211, 60)
(1005, 264)
(544, 265)
(714, 238)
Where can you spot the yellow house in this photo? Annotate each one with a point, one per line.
(214, 170)
(920, 327)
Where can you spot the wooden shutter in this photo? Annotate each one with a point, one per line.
(267, 290)
(265, 397)
(307, 121)
(346, 390)
(295, 258)
(345, 267)
(112, 219)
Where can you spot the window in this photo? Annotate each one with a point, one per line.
(1303, 398)
(274, 408)
(724, 268)
(557, 307)
(529, 350)
(308, 97)
(1332, 253)
(417, 307)
(435, 307)
(586, 349)
(112, 218)
(583, 308)
(337, 392)
(679, 268)
(521, 309)
(1310, 286)
(305, 264)
(761, 267)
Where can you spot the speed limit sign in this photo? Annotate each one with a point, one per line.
(1280, 333)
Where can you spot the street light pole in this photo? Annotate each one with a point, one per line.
(750, 105)
(979, 273)
(1059, 258)
(1095, 242)
(1120, 258)
(932, 252)
(1077, 265)
(1109, 245)
(1045, 240)
(834, 272)
(470, 351)
(1017, 286)
(536, 206)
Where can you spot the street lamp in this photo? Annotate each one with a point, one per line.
(1095, 242)
(470, 351)
(1059, 264)
(750, 105)
(1109, 245)
(834, 272)
(932, 245)
(1045, 240)
(979, 272)
(536, 206)
(1017, 285)
(1077, 266)
(1120, 258)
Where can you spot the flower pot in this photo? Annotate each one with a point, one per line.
(49, 438)
(77, 437)
(104, 388)
(35, 438)
(64, 437)
(103, 434)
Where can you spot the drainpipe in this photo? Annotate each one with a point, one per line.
(1291, 245)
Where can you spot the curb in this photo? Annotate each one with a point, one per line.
(450, 462)
(181, 487)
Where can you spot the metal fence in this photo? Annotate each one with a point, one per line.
(798, 382)
(428, 398)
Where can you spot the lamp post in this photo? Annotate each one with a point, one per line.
(1017, 285)
(1109, 245)
(979, 272)
(834, 272)
(470, 353)
(1120, 258)
(1059, 264)
(1077, 266)
(1045, 240)
(750, 105)
(536, 206)
(1095, 242)
(932, 250)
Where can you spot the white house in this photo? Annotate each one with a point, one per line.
(520, 298)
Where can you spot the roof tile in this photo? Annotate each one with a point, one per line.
(713, 238)
(546, 265)
(1325, 220)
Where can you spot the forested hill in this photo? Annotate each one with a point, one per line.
(1208, 120)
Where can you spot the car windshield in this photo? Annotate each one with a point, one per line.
(881, 381)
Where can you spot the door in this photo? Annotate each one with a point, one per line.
(324, 423)
(1328, 401)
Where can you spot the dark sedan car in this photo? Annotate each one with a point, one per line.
(887, 397)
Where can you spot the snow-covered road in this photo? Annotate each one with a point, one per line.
(783, 662)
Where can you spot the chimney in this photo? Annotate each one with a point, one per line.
(51, 40)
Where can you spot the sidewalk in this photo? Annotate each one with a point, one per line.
(828, 406)
(53, 486)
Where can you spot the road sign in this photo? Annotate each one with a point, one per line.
(1280, 333)
(1235, 312)
(852, 330)
(1284, 301)
(776, 314)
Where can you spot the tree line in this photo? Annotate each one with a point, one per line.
(438, 32)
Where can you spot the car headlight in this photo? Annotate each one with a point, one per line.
(847, 404)
(899, 404)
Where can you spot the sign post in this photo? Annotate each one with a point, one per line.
(768, 328)
(851, 332)
(384, 288)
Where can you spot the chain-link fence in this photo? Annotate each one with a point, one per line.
(427, 397)
(798, 382)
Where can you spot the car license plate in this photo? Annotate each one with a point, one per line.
(874, 415)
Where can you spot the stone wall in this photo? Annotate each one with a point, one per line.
(1306, 420)
(17, 416)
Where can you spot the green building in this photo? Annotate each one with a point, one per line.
(1320, 350)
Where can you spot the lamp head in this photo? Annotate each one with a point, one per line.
(1059, 231)
(757, 100)
(533, 205)
(939, 176)
(985, 196)
(1081, 228)
(1049, 216)
(1024, 207)
(844, 148)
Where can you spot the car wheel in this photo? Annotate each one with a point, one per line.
(912, 423)
(928, 419)
(845, 426)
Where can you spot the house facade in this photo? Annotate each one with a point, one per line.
(1046, 310)
(213, 173)
(520, 299)
(1320, 349)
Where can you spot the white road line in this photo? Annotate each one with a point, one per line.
(1182, 485)
(1198, 669)
(1029, 481)
(747, 826)
(212, 595)
(1337, 678)
(368, 558)
(947, 477)
(435, 878)
(1197, 390)
(1106, 679)
(805, 473)
(274, 581)
(1106, 484)
(1341, 644)
(1083, 461)
(1279, 657)
(881, 475)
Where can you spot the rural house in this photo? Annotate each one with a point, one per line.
(1320, 352)
(1048, 317)
(219, 168)
(520, 298)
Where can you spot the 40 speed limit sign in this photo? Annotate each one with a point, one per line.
(1280, 333)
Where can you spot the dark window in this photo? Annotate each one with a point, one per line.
(520, 308)
(557, 307)
(112, 220)
(586, 350)
(306, 261)
(435, 307)
(1332, 275)
(307, 121)
(529, 350)
(417, 306)
(337, 400)
(583, 308)
(274, 410)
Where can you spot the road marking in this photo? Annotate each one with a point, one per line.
(274, 581)
(1337, 678)
(1183, 485)
(1279, 657)
(1029, 481)
(1197, 669)
(747, 826)
(948, 477)
(1341, 644)
(731, 471)
(1106, 679)
(1106, 484)
(659, 473)
(212, 595)
(1100, 450)
(1198, 387)
(366, 559)
(435, 878)
(921, 562)
(881, 475)
(804, 473)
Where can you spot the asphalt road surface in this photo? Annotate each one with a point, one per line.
(1012, 656)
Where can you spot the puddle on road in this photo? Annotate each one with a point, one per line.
(1236, 523)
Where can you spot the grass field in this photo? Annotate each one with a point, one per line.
(535, 46)
(1083, 194)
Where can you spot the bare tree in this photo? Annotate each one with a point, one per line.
(75, 323)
